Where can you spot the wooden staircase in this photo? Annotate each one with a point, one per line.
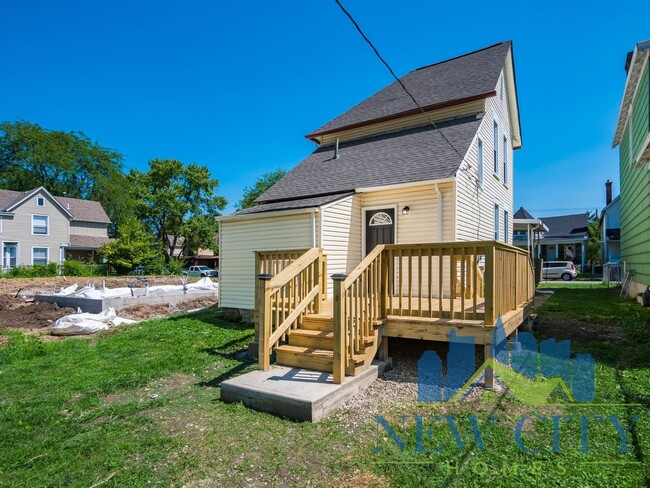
(311, 346)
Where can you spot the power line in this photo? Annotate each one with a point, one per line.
(356, 25)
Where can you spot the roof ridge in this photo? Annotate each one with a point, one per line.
(460, 56)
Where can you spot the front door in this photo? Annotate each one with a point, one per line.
(9, 256)
(380, 227)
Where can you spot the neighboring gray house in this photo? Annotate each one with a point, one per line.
(39, 228)
(565, 240)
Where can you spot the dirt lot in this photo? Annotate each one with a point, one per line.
(18, 311)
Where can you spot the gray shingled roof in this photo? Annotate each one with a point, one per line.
(81, 210)
(522, 213)
(88, 241)
(566, 226)
(412, 155)
(472, 75)
(293, 204)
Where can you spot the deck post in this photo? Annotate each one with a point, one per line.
(263, 305)
(490, 287)
(339, 329)
(489, 372)
(383, 286)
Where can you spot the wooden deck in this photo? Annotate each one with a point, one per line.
(419, 291)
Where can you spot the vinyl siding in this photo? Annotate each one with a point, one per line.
(404, 123)
(93, 229)
(635, 192)
(240, 239)
(475, 210)
(19, 229)
(341, 236)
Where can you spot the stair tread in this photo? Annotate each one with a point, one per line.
(313, 333)
(314, 352)
(318, 316)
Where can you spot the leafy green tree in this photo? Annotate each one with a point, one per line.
(135, 246)
(66, 163)
(593, 243)
(263, 183)
(177, 201)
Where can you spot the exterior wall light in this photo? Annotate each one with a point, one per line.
(405, 210)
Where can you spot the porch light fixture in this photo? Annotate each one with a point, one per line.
(406, 210)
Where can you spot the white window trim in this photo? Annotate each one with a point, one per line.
(505, 160)
(48, 225)
(47, 257)
(496, 225)
(39, 199)
(363, 223)
(495, 151)
(480, 160)
(2, 255)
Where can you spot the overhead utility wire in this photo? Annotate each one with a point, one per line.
(396, 78)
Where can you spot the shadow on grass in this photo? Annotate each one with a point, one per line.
(213, 316)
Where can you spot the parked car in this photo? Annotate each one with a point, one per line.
(202, 271)
(559, 269)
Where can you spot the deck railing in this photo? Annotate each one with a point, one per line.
(283, 299)
(358, 306)
(455, 280)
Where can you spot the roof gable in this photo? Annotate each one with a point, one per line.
(470, 76)
(575, 225)
(74, 208)
(522, 213)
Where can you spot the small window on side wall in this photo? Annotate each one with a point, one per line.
(496, 221)
(480, 161)
(40, 201)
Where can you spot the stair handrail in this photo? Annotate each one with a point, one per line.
(282, 299)
(358, 304)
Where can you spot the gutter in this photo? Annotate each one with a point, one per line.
(266, 215)
(399, 186)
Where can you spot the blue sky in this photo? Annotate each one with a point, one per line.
(236, 85)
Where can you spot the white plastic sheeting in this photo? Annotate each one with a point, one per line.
(89, 291)
(88, 323)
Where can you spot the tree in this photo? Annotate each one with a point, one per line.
(177, 201)
(66, 163)
(135, 246)
(263, 183)
(593, 243)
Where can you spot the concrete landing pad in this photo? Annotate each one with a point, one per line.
(299, 394)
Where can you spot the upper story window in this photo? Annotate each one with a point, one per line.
(496, 222)
(40, 225)
(505, 160)
(40, 201)
(480, 161)
(496, 148)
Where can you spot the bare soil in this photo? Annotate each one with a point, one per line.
(578, 331)
(18, 311)
(28, 287)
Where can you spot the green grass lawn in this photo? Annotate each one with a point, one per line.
(140, 406)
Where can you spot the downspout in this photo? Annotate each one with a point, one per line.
(436, 186)
(313, 227)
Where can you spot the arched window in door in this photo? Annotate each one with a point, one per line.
(380, 218)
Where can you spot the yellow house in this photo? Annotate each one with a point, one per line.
(383, 198)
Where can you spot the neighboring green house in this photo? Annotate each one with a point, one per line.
(633, 139)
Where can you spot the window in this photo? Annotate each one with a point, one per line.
(505, 160)
(480, 161)
(506, 223)
(496, 221)
(496, 148)
(40, 255)
(40, 201)
(381, 218)
(40, 225)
